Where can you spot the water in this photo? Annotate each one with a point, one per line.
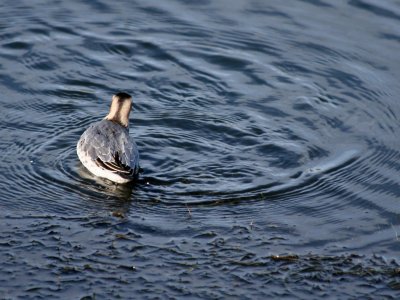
(268, 135)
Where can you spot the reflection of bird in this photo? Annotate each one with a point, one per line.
(106, 149)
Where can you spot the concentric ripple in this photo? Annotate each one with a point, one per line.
(262, 129)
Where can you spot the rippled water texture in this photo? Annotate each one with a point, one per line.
(268, 134)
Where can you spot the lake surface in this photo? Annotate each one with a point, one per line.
(269, 138)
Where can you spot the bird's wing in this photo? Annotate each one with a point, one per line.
(112, 148)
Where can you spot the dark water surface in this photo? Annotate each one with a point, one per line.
(268, 130)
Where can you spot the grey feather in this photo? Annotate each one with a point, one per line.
(110, 143)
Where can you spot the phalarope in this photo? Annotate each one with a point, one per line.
(106, 149)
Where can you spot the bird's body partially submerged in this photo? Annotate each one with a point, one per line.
(106, 149)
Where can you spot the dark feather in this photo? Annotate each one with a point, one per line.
(116, 166)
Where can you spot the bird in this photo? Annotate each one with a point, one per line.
(105, 147)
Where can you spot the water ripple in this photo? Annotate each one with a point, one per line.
(261, 128)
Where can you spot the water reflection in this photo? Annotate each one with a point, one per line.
(122, 191)
(263, 129)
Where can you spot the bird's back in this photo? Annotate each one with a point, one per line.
(108, 146)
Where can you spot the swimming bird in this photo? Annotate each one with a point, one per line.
(106, 149)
